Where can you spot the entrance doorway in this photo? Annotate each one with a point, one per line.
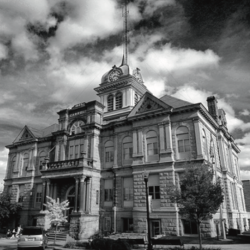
(155, 227)
(71, 198)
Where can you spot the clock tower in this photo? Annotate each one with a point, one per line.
(120, 90)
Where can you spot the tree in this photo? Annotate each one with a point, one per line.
(199, 195)
(8, 207)
(55, 211)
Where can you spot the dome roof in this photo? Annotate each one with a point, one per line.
(115, 73)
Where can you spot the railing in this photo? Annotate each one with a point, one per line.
(63, 164)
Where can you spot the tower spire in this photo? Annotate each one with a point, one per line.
(125, 35)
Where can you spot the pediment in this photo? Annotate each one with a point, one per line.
(25, 135)
(148, 104)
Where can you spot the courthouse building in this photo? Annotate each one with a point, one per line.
(95, 156)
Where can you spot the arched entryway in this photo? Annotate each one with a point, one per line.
(70, 196)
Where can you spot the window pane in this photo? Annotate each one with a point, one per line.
(180, 146)
(186, 145)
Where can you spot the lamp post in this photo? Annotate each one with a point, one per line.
(145, 177)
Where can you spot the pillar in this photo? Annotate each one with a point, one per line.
(87, 195)
(198, 139)
(43, 195)
(82, 194)
(134, 142)
(115, 150)
(76, 193)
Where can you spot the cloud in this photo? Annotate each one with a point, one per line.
(153, 5)
(245, 175)
(245, 112)
(85, 23)
(3, 51)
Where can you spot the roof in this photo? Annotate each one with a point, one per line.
(174, 102)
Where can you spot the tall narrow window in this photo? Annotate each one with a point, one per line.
(154, 190)
(118, 100)
(42, 156)
(21, 194)
(127, 147)
(38, 195)
(128, 192)
(108, 192)
(13, 163)
(204, 142)
(152, 146)
(183, 142)
(109, 154)
(75, 148)
(25, 164)
(110, 103)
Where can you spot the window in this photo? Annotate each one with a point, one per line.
(25, 164)
(183, 142)
(108, 192)
(128, 192)
(39, 194)
(155, 227)
(152, 146)
(204, 143)
(13, 163)
(118, 100)
(97, 197)
(110, 103)
(21, 194)
(76, 128)
(128, 225)
(154, 191)
(190, 227)
(109, 154)
(127, 145)
(41, 159)
(75, 148)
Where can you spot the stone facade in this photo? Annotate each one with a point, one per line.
(96, 154)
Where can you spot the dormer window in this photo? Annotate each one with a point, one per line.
(118, 100)
(110, 103)
(76, 128)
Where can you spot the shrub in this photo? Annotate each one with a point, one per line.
(109, 244)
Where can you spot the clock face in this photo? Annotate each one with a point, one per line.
(114, 75)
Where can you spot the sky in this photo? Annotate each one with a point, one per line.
(53, 53)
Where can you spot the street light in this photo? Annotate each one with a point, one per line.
(145, 175)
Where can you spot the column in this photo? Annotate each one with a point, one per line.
(198, 139)
(55, 191)
(47, 189)
(57, 152)
(162, 138)
(168, 132)
(76, 192)
(82, 194)
(115, 150)
(43, 195)
(134, 142)
(140, 142)
(124, 102)
(114, 108)
(87, 195)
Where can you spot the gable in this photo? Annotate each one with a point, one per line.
(149, 104)
(25, 135)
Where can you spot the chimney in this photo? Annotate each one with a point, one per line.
(212, 108)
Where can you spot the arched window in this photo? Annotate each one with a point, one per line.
(110, 103)
(136, 99)
(127, 150)
(183, 143)
(152, 146)
(76, 128)
(204, 142)
(118, 100)
(42, 157)
(25, 164)
(13, 163)
(109, 154)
